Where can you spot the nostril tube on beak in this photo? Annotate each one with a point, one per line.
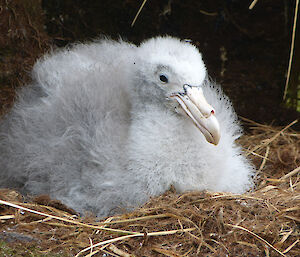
(185, 88)
(195, 94)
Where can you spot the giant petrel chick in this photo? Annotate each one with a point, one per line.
(108, 124)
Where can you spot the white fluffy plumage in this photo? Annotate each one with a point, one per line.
(97, 130)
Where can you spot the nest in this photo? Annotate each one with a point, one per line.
(264, 222)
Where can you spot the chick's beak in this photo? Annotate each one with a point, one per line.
(202, 114)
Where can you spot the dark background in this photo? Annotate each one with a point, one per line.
(256, 42)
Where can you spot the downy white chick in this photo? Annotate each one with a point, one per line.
(108, 124)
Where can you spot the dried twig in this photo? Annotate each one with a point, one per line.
(257, 236)
(66, 220)
(138, 13)
(292, 50)
(253, 4)
(121, 238)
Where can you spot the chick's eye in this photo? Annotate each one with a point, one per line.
(163, 78)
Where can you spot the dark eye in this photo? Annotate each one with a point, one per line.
(163, 78)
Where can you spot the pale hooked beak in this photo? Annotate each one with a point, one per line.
(202, 114)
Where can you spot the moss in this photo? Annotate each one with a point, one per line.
(5, 250)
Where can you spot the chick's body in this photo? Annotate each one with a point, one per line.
(98, 130)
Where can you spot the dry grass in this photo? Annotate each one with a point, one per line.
(264, 222)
